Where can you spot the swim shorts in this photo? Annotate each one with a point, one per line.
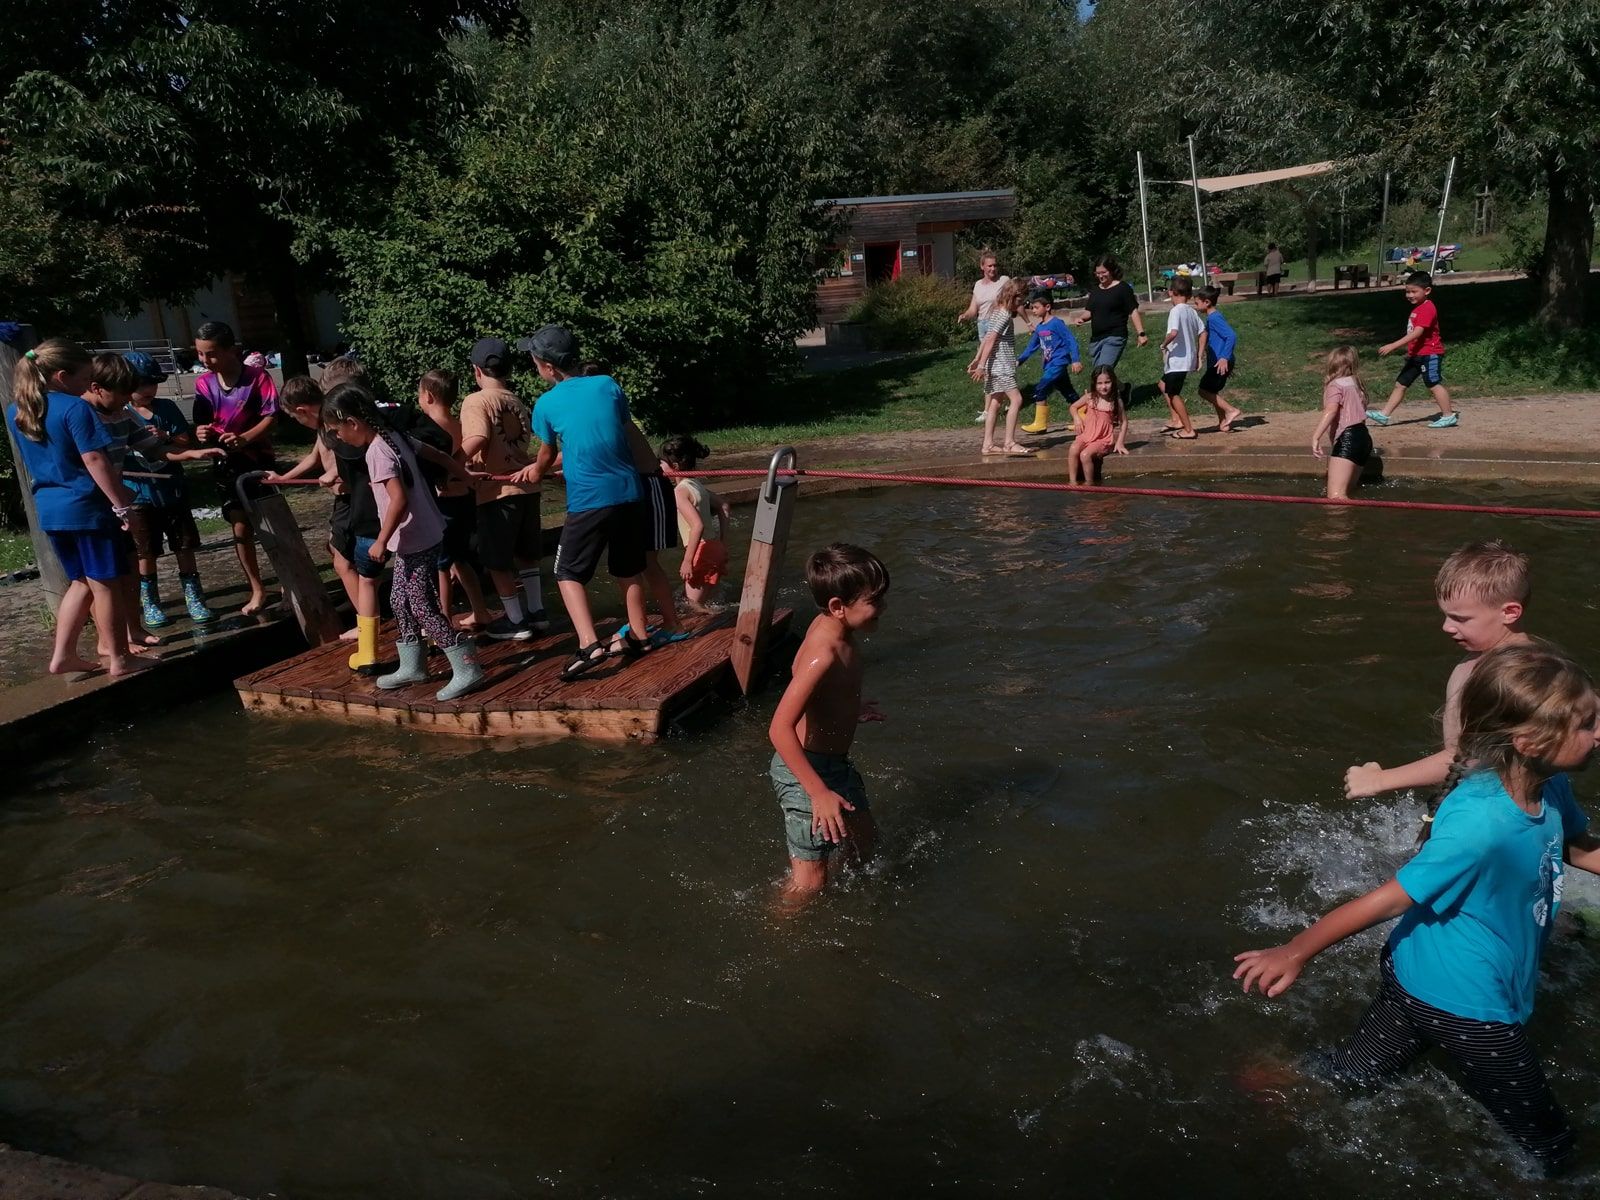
(1214, 383)
(509, 531)
(148, 524)
(1172, 382)
(840, 775)
(662, 508)
(618, 529)
(1353, 443)
(1429, 367)
(710, 562)
(96, 554)
(460, 523)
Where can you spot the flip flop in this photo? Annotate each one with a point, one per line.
(667, 637)
(1018, 451)
(992, 450)
(1180, 436)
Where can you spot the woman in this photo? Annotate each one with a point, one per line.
(983, 295)
(1110, 305)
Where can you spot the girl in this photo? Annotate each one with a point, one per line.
(995, 367)
(1344, 414)
(411, 527)
(437, 397)
(1102, 425)
(78, 495)
(704, 558)
(1477, 901)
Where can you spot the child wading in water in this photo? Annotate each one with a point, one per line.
(823, 800)
(995, 367)
(704, 558)
(1102, 427)
(1476, 903)
(411, 527)
(1344, 419)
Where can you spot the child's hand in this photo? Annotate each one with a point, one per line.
(1363, 781)
(1222, 366)
(827, 816)
(1316, 448)
(1385, 351)
(205, 433)
(871, 712)
(529, 474)
(271, 479)
(231, 441)
(376, 552)
(1077, 368)
(1119, 449)
(686, 571)
(1269, 971)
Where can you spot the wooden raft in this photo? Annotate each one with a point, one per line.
(524, 695)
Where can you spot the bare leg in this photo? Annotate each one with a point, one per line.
(244, 545)
(661, 592)
(696, 596)
(106, 601)
(1227, 414)
(633, 602)
(186, 563)
(1180, 413)
(1013, 411)
(991, 410)
(71, 616)
(473, 591)
(1073, 456)
(1441, 397)
(1395, 396)
(1342, 473)
(576, 599)
(444, 595)
(802, 885)
(140, 639)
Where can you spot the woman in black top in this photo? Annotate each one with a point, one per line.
(1111, 304)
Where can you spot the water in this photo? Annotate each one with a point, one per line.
(340, 962)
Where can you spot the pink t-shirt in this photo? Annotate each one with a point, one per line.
(984, 293)
(1426, 318)
(1346, 393)
(422, 526)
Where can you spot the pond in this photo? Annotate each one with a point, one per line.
(340, 962)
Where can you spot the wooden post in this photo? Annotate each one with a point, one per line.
(774, 512)
(51, 575)
(279, 535)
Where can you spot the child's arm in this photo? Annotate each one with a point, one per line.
(536, 470)
(391, 519)
(980, 360)
(303, 467)
(1370, 779)
(689, 511)
(1583, 852)
(237, 441)
(1200, 345)
(1330, 414)
(1072, 350)
(724, 513)
(1272, 971)
(441, 459)
(827, 806)
(107, 478)
(1413, 334)
(1121, 418)
(1030, 348)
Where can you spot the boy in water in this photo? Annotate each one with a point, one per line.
(1050, 334)
(1424, 356)
(823, 800)
(1483, 592)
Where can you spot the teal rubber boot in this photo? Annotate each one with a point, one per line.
(150, 603)
(465, 672)
(413, 665)
(194, 597)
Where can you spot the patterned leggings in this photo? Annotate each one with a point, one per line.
(414, 596)
(1499, 1067)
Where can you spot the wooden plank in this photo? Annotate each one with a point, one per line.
(761, 582)
(279, 535)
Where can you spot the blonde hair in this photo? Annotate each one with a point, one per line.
(1343, 362)
(1531, 690)
(1491, 572)
(1010, 296)
(30, 381)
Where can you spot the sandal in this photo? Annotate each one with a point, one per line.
(633, 647)
(666, 637)
(1180, 436)
(584, 661)
(992, 450)
(1018, 451)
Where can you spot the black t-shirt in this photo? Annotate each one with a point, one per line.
(1109, 310)
(422, 429)
(351, 462)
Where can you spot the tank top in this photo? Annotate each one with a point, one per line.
(702, 501)
(1352, 404)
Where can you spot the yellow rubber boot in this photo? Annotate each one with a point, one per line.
(1041, 419)
(366, 655)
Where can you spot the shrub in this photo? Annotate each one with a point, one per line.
(914, 312)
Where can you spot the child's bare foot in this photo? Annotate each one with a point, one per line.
(143, 640)
(73, 664)
(349, 635)
(131, 666)
(1227, 422)
(257, 602)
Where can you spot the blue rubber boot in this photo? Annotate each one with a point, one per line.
(150, 603)
(465, 672)
(413, 665)
(194, 597)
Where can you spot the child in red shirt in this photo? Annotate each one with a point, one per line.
(1424, 356)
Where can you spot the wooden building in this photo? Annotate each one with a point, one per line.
(889, 236)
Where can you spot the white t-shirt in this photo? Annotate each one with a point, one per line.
(1181, 355)
(984, 293)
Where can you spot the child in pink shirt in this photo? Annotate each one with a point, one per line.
(1344, 418)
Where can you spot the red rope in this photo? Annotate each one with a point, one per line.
(1503, 510)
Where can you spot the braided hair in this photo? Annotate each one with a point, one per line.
(352, 401)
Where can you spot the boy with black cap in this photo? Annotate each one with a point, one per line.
(494, 440)
(587, 415)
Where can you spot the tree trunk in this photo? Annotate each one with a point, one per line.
(1568, 247)
(282, 277)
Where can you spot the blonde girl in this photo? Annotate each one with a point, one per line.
(994, 366)
(1344, 418)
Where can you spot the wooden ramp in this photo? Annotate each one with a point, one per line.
(524, 695)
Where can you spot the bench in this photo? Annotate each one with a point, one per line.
(1354, 274)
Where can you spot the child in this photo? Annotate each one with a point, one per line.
(1272, 268)
(816, 720)
(704, 558)
(1181, 350)
(588, 416)
(1476, 902)
(995, 367)
(1344, 418)
(1103, 427)
(233, 408)
(411, 528)
(436, 397)
(77, 495)
(1424, 355)
(1221, 342)
(1050, 334)
(161, 506)
(494, 438)
(1483, 591)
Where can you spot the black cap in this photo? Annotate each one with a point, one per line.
(552, 344)
(492, 354)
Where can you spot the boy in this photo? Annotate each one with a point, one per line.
(1181, 351)
(494, 439)
(1050, 334)
(587, 415)
(436, 425)
(1220, 343)
(161, 506)
(1424, 355)
(816, 720)
(234, 405)
(1483, 592)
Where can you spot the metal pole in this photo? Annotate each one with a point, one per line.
(1194, 178)
(1449, 174)
(1144, 222)
(1383, 221)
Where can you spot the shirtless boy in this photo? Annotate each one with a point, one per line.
(1483, 591)
(823, 800)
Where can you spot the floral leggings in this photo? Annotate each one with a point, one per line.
(414, 596)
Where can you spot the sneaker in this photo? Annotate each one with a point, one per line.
(978, 420)
(539, 622)
(503, 629)
(1377, 417)
(1448, 421)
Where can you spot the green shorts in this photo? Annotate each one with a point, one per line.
(838, 773)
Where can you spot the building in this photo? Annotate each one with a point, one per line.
(240, 303)
(886, 237)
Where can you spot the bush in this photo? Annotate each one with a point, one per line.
(914, 312)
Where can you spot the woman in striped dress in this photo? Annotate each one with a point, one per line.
(995, 368)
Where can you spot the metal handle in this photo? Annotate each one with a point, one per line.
(769, 490)
(239, 484)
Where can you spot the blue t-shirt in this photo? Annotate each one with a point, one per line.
(166, 420)
(1221, 340)
(1059, 346)
(587, 415)
(63, 491)
(1486, 886)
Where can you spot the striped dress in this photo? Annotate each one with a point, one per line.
(1001, 374)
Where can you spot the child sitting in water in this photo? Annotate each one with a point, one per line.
(1344, 418)
(1102, 426)
(1476, 902)
(1483, 591)
(704, 558)
(823, 800)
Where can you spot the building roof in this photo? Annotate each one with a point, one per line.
(857, 201)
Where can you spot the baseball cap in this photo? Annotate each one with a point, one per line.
(554, 345)
(144, 367)
(492, 354)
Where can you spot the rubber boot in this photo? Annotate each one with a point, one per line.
(366, 656)
(465, 672)
(1041, 419)
(413, 665)
(150, 603)
(194, 597)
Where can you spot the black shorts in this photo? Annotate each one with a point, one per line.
(341, 539)
(1274, 278)
(226, 473)
(460, 523)
(148, 524)
(1428, 367)
(509, 532)
(1172, 382)
(619, 529)
(1214, 383)
(1354, 444)
(661, 512)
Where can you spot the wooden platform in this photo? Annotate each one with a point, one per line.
(524, 695)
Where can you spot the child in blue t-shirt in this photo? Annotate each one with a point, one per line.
(1060, 349)
(1222, 346)
(1476, 902)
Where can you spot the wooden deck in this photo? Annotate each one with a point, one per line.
(524, 695)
